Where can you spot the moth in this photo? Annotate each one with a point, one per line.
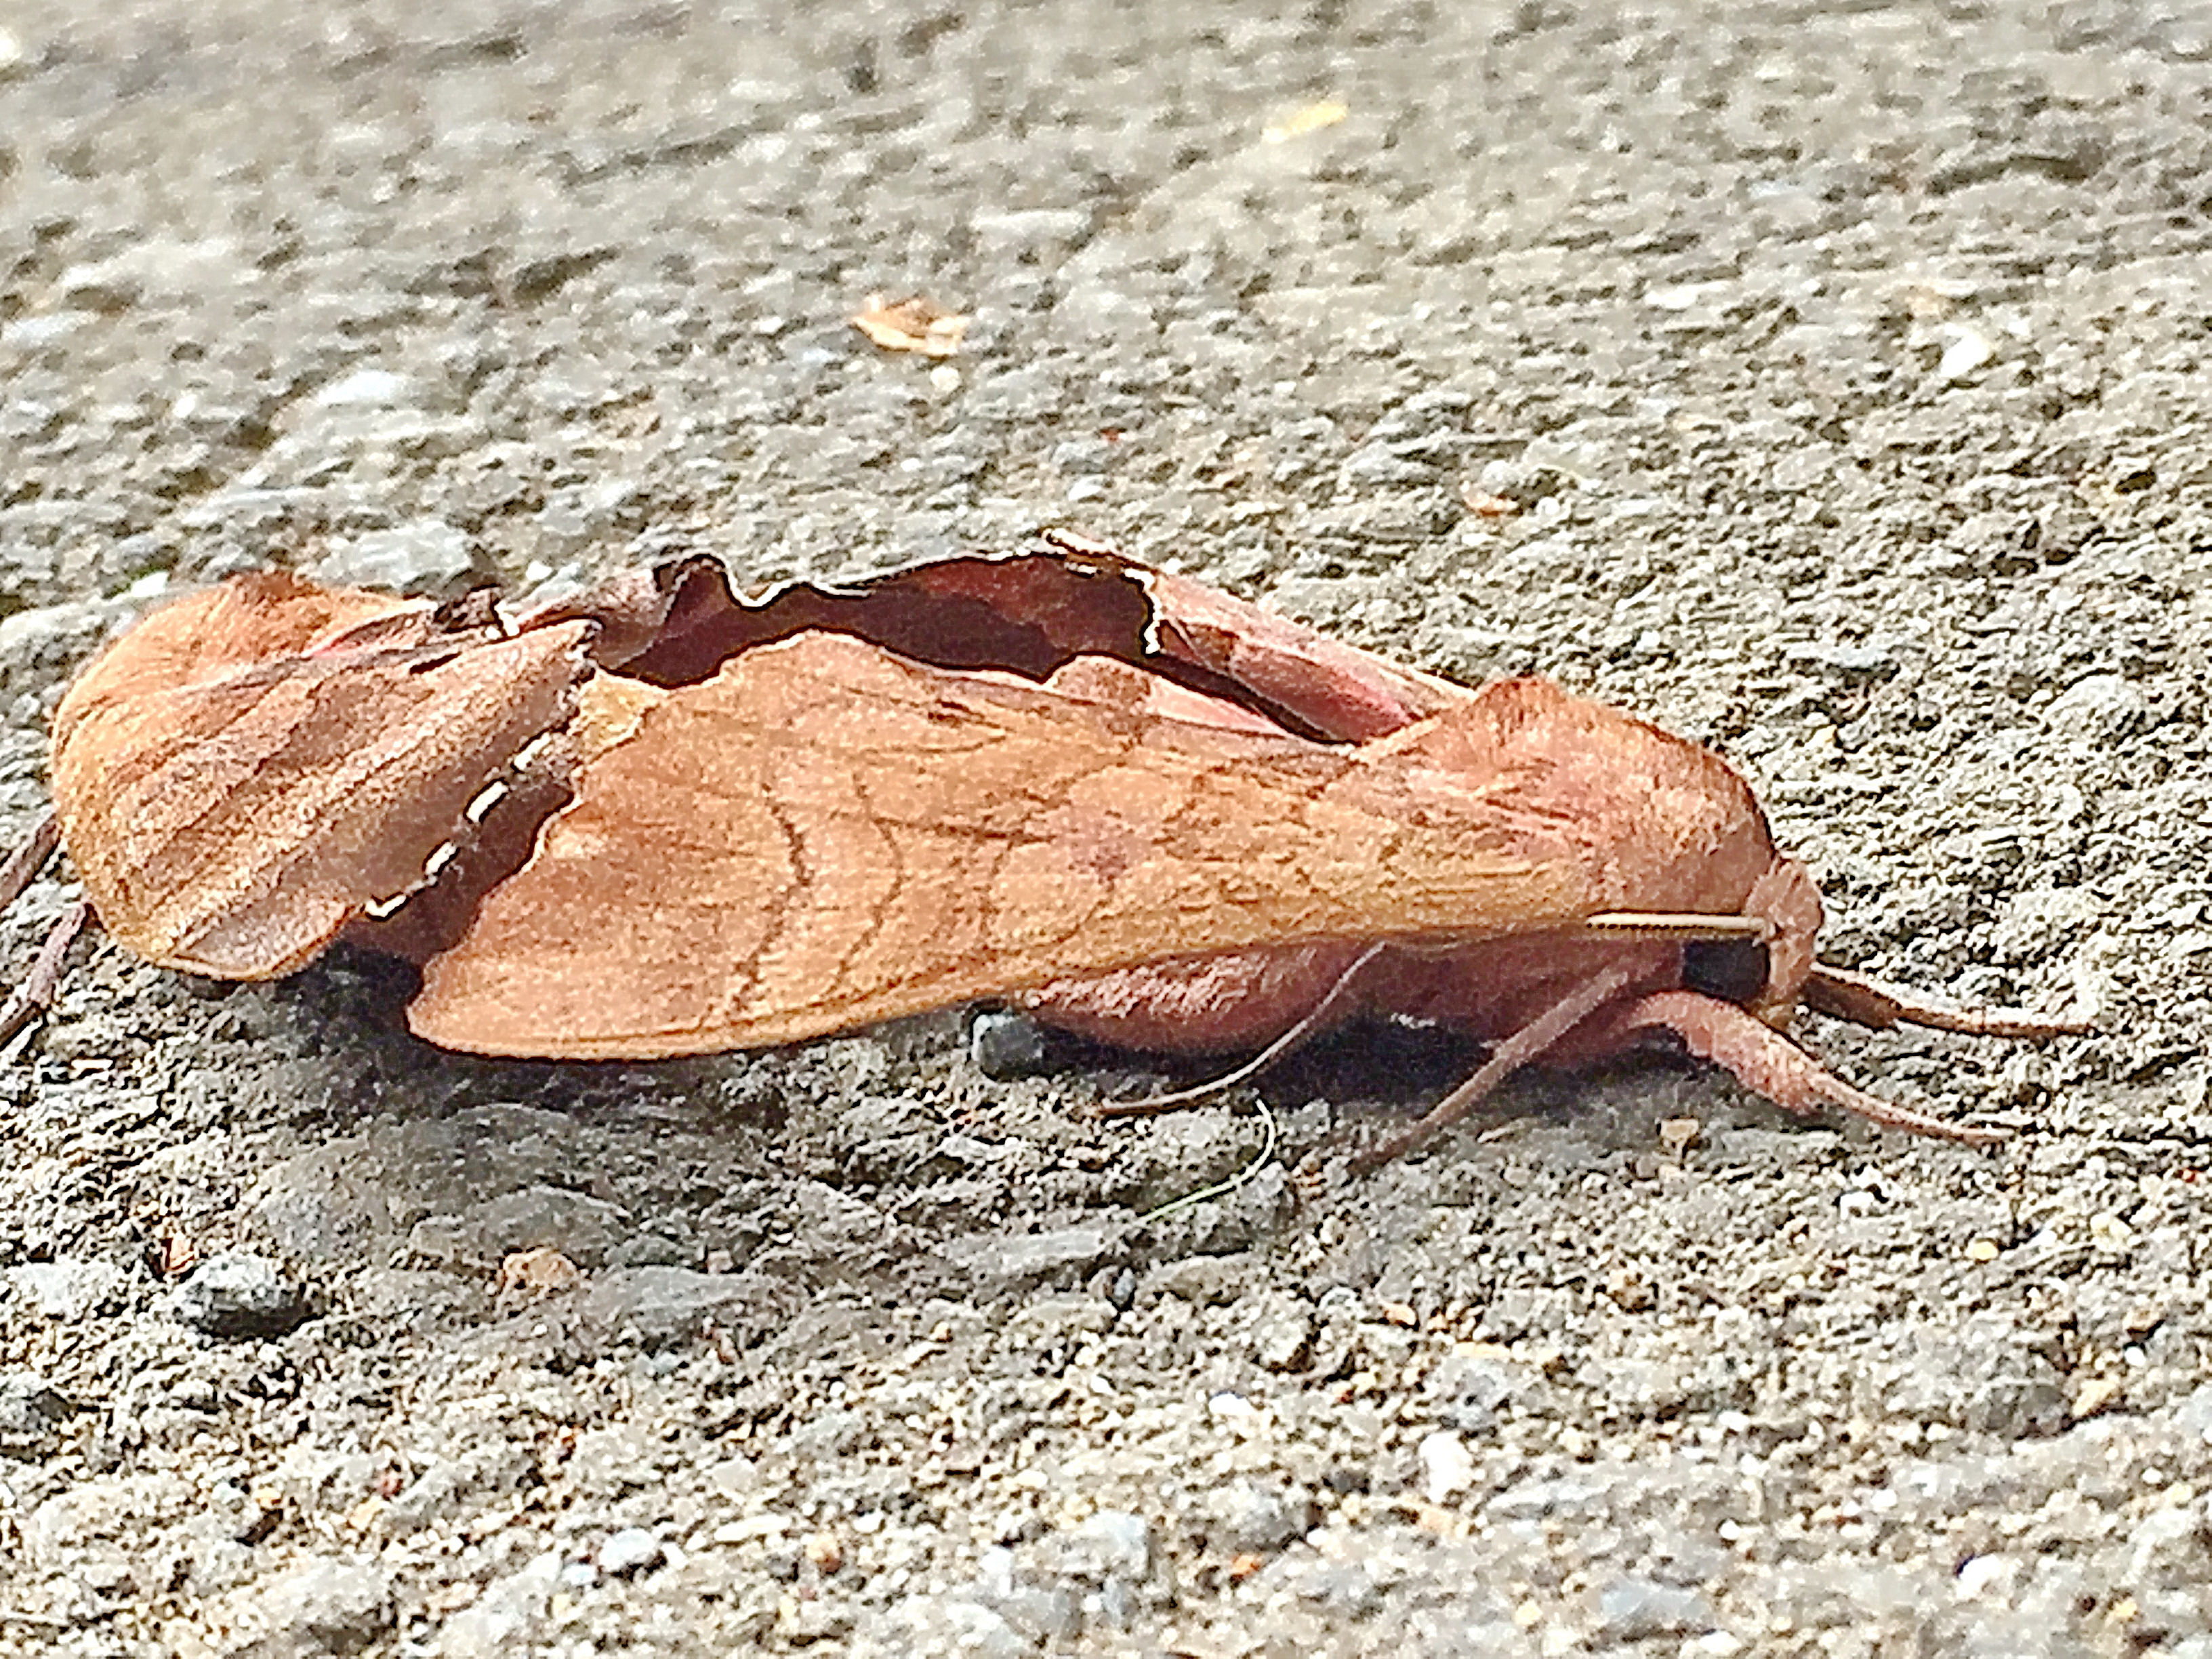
(665, 818)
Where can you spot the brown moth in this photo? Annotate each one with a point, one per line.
(1151, 813)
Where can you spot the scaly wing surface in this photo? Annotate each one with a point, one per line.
(826, 835)
(231, 808)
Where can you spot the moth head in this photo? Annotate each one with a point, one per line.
(1765, 976)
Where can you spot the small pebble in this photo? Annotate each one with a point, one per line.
(1968, 351)
(1248, 1516)
(1635, 1609)
(367, 387)
(632, 1550)
(1447, 1466)
(30, 1411)
(427, 556)
(2096, 709)
(2097, 1394)
(69, 1289)
(2110, 1233)
(326, 1605)
(1006, 1044)
(238, 1294)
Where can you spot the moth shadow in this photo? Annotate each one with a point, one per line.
(355, 1000)
(1376, 1066)
(1372, 1075)
(1378, 1075)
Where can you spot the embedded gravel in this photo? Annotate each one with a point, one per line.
(1827, 381)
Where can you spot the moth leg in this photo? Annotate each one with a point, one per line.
(30, 857)
(1843, 995)
(35, 993)
(1768, 1063)
(1334, 1004)
(1530, 1043)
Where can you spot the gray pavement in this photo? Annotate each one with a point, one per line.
(1827, 382)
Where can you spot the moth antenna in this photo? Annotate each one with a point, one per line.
(29, 858)
(1530, 1043)
(1687, 927)
(1331, 1005)
(1613, 927)
(378, 909)
(35, 994)
(487, 798)
(1843, 995)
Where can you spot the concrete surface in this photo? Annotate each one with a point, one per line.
(1827, 381)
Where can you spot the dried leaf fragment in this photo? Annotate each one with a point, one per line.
(913, 323)
(534, 1274)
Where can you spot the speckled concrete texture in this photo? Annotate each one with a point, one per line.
(1826, 381)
